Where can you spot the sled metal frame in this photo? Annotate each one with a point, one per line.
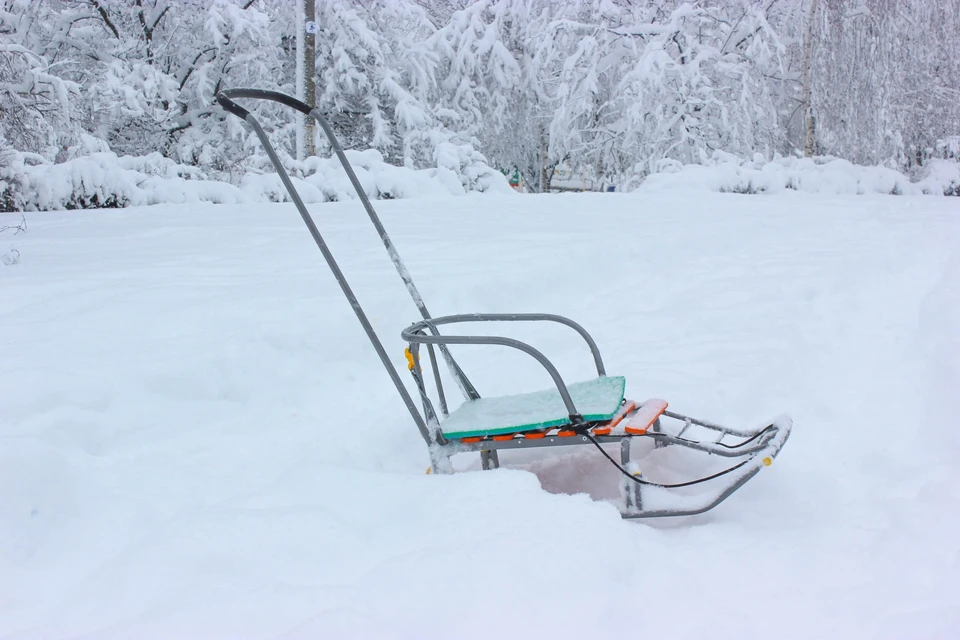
(758, 446)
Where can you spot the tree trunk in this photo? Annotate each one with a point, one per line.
(544, 178)
(809, 124)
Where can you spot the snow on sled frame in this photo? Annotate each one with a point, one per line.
(593, 412)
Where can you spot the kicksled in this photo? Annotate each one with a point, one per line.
(593, 412)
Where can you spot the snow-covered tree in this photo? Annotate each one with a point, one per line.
(375, 77)
(35, 98)
(148, 69)
(610, 86)
(490, 79)
(885, 78)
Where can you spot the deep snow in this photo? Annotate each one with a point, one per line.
(196, 441)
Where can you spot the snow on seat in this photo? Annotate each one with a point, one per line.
(597, 399)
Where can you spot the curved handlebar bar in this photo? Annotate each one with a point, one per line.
(418, 337)
(516, 317)
(224, 98)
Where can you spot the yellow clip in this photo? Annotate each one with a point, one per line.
(410, 363)
(767, 461)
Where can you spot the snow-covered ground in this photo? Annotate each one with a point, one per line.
(197, 442)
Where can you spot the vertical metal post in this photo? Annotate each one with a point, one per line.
(489, 459)
(658, 443)
(310, 73)
(626, 487)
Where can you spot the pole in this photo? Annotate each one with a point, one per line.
(543, 160)
(300, 27)
(310, 72)
(809, 124)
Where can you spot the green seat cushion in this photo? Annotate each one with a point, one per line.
(596, 399)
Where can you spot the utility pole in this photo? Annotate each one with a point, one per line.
(310, 68)
(306, 72)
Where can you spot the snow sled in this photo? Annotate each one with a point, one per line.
(593, 412)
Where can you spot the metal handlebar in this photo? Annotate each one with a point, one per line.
(518, 317)
(225, 99)
(415, 334)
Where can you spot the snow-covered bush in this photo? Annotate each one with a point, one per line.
(725, 173)
(12, 181)
(459, 170)
(105, 180)
(941, 176)
(468, 166)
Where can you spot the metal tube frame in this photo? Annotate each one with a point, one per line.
(514, 317)
(767, 447)
(414, 334)
(768, 441)
(226, 100)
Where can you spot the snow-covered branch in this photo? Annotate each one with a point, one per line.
(608, 87)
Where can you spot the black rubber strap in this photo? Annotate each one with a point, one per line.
(225, 99)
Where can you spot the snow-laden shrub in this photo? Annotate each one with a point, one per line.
(941, 176)
(12, 181)
(470, 167)
(105, 180)
(725, 173)
(459, 170)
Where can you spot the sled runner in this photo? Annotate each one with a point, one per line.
(593, 412)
